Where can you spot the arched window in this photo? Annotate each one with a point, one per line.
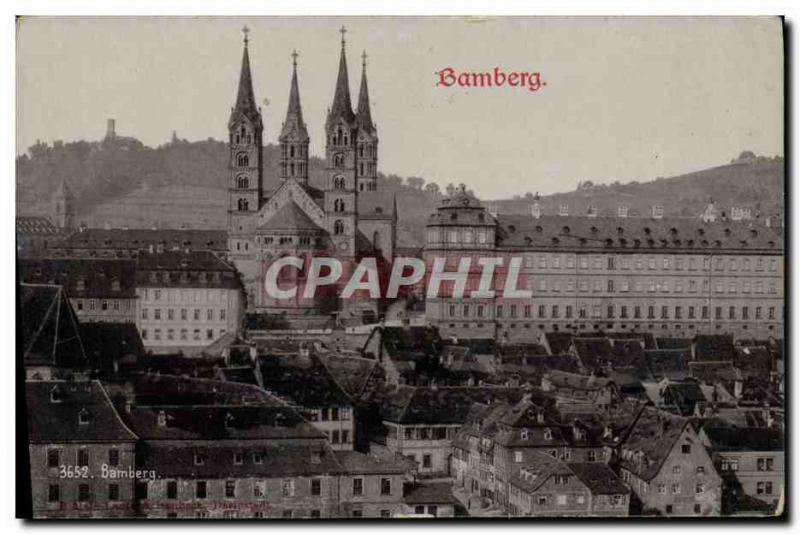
(338, 161)
(338, 227)
(338, 183)
(339, 136)
(338, 205)
(242, 160)
(242, 182)
(242, 204)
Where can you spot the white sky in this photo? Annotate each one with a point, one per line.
(626, 99)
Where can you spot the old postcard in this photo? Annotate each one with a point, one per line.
(385, 267)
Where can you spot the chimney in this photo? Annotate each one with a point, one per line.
(110, 129)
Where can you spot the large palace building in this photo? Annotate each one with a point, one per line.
(278, 212)
(666, 276)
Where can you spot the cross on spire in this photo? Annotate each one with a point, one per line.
(294, 58)
(245, 31)
(364, 59)
(343, 31)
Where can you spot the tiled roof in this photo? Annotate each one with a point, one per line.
(714, 347)
(142, 239)
(350, 372)
(599, 478)
(198, 268)
(358, 463)
(634, 234)
(653, 435)
(576, 381)
(106, 343)
(304, 381)
(59, 421)
(33, 226)
(290, 218)
(731, 438)
(83, 278)
(158, 389)
(428, 493)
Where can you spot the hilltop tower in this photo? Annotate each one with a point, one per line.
(246, 166)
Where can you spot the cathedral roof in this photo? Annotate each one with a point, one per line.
(294, 126)
(363, 114)
(245, 98)
(290, 217)
(342, 106)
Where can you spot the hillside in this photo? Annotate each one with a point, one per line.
(120, 182)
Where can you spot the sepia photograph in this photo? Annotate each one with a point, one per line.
(386, 268)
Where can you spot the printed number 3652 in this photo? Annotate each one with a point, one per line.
(73, 471)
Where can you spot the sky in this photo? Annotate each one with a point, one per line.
(625, 98)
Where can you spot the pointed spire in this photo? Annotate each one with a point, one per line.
(62, 191)
(363, 115)
(294, 113)
(342, 106)
(394, 207)
(245, 98)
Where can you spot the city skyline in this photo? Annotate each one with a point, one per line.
(411, 113)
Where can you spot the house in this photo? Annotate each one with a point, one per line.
(429, 499)
(421, 422)
(75, 438)
(750, 461)
(548, 487)
(100, 290)
(666, 465)
(370, 486)
(590, 390)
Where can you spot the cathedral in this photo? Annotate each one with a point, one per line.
(274, 210)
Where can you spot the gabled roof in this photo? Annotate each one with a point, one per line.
(650, 441)
(55, 409)
(350, 372)
(731, 438)
(304, 381)
(35, 225)
(290, 217)
(358, 463)
(428, 493)
(599, 478)
(142, 239)
(83, 278)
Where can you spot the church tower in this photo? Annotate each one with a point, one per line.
(294, 135)
(245, 164)
(63, 207)
(340, 155)
(367, 139)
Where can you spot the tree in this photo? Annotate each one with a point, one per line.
(432, 189)
(415, 182)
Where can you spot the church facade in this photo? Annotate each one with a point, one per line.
(277, 211)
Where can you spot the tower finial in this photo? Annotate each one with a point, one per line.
(294, 58)
(343, 31)
(364, 59)
(245, 31)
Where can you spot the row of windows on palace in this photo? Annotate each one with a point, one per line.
(184, 295)
(284, 240)
(182, 333)
(623, 311)
(184, 314)
(655, 286)
(640, 262)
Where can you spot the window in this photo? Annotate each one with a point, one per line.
(765, 464)
(287, 514)
(288, 488)
(676, 470)
(676, 489)
(699, 488)
(518, 456)
(358, 486)
(113, 457)
(386, 486)
(316, 486)
(113, 492)
(662, 489)
(83, 458)
(172, 489)
(230, 489)
(53, 458)
(54, 493)
(686, 448)
(83, 492)
(426, 461)
(199, 458)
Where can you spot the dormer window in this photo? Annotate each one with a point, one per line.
(55, 394)
(523, 434)
(83, 417)
(199, 458)
(228, 420)
(548, 434)
(162, 418)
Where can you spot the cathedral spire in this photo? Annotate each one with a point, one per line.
(363, 114)
(342, 106)
(245, 98)
(294, 113)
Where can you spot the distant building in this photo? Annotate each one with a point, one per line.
(122, 243)
(187, 300)
(36, 236)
